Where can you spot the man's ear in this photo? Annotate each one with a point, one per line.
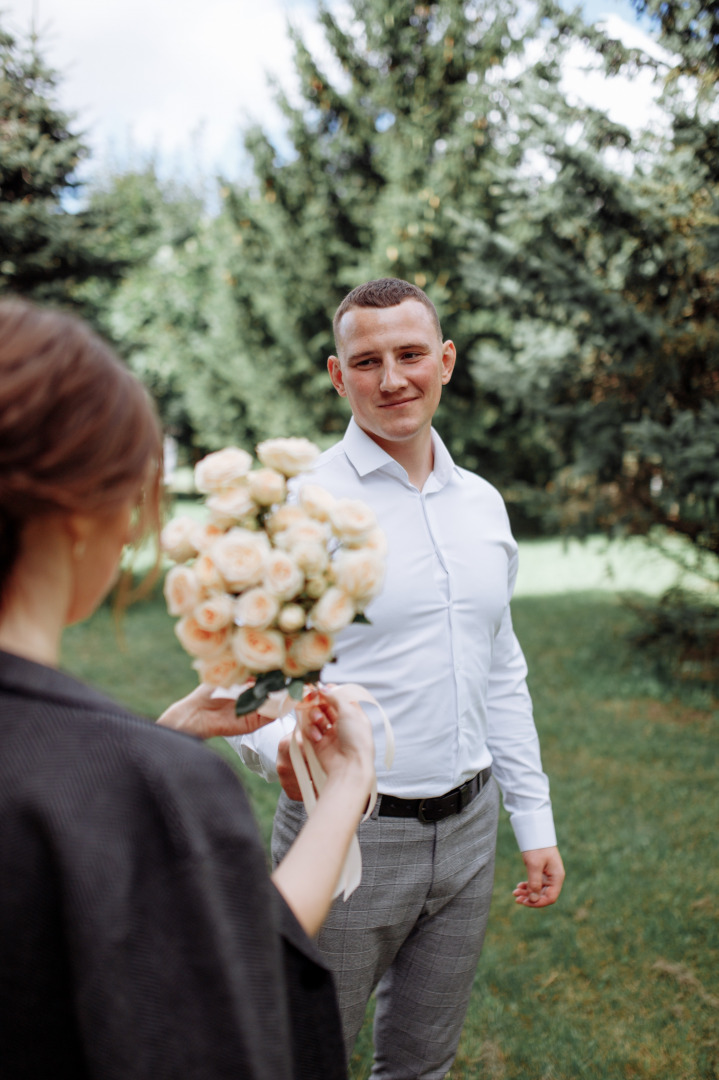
(335, 369)
(449, 357)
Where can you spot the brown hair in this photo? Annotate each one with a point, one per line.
(383, 293)
(78, 432)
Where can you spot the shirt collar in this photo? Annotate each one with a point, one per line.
(367, 456)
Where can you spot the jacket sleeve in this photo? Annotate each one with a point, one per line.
(178, 962)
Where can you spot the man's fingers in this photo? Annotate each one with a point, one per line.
(545, 875)
(286, 772)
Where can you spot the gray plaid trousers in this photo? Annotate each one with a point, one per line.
(413, 930)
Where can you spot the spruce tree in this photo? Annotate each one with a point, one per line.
(47, 246)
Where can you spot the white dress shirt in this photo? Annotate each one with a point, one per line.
(440, 654)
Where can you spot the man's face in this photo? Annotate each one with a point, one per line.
(391, 367)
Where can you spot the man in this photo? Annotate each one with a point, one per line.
(441, 657)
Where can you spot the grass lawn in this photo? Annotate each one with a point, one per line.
(621, 978)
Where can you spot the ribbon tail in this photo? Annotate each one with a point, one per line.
(302, 774)
(312, 777)
(354, 692)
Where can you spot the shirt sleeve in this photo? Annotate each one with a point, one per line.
(258, 751)
(513, 742)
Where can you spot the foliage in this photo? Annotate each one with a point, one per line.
(604, 281)
(47, 250)
(573, 263)
(680, 631)
(390, 159)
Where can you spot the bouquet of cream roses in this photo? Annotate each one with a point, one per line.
(262, 585)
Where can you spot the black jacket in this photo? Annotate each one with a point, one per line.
(140, 935)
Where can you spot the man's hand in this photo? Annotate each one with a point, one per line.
(286, 772)
(545, 872)
(203, 715)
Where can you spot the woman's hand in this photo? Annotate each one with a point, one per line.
(340, 735)
(205, 716)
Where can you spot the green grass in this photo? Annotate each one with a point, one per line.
(621, 978)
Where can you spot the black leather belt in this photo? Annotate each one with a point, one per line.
(441, 806)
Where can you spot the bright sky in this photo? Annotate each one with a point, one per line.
(182, 77)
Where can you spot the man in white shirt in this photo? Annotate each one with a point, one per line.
(441, 657)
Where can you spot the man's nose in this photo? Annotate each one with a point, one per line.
(393, 375)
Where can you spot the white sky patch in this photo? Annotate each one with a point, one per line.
(180, 78)
(631, 102)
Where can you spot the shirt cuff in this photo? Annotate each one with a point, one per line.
(258, 751)
(534, 830)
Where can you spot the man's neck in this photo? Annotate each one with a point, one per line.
(416, 456)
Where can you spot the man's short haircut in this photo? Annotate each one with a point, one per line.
(383, 293)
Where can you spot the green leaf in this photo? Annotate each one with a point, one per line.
(362, 619)
(256, 695)
(248, 701)
(296, 689)
(272, 680)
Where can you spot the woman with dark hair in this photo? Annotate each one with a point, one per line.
(140, 933)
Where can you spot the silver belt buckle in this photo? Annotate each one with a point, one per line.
(420, 813)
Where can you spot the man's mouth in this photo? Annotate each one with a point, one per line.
(398, 403)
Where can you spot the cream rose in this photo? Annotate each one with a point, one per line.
(316, 501)
(232, 505)
(222, 670)
(205, 533)
(259, 650)
(199, 642)
(215, 612)
(181, 590)
(310, 651)
(291, 618)
(267, 486)
(303, 531)
(292, 668)
(332, 612)
(282, 575)
(312, 559)
(352, 520)
(207, 573)
(288, 456)
(377, 541)
(240, 556)
(257, 608)
(359, 573)
(284, 516)
(222, 469)
(178, 538)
